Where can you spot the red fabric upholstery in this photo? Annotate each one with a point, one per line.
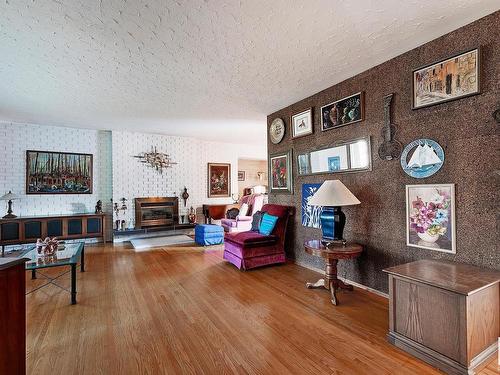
(251, 239)
(251, 249)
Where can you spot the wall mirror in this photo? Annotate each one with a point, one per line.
(342, 157)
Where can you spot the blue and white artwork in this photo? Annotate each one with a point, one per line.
(422, 158)
(310, 214)
(334, 163)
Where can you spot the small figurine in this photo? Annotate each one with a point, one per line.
(98, 207)
(192, 215)
(185, 195)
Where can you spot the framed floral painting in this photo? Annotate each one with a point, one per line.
(430, 217)
(280, 173)
(219, 180)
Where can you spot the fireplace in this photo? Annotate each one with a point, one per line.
(156, 212)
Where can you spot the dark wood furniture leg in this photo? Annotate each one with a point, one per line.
(33, 274)
(82, 260)
(73, 284)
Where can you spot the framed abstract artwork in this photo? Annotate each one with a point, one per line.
(219, 180)
(310, 214)
(343, 112)
(430, 217)
(241, 175)
(453, 78)
(280, 173)
(50, 172)
(302, 123)
(334, 163)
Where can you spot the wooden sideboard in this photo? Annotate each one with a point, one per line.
(13, 320)
(445, 313)
(216, 211)
(27, 229)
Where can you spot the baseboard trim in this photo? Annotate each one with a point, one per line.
(358, 285)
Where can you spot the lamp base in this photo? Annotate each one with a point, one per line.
(332, 224)
(9, 216)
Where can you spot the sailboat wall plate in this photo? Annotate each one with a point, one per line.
(422, 158)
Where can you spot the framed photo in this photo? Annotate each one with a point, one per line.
(430, 217)
(280, 173)
(446, 80)
(241, 175)
(50, 172)
(310, 214)
(219, 180)
(302, 124)
(303, 164)
(334, 163)
(343, 112)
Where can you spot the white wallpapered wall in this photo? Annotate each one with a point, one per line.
(116, 173)
(133, 179)
(16, 138)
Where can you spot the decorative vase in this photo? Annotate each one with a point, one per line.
(431, 238)
(192, 216)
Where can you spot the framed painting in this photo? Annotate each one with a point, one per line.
(430, 217)
(446, 80)
(310, 214)
(219, 180)
(343, 112)
(280, 173)
(49, 172)
(301, 124)
(241, 175)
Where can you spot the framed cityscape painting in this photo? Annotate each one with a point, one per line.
(303, 164)
(219, 180)
(343, 112)
(310, 214)
(50, 172)
(430, 217)
(280, 173)
(446, 80)
(302, 124)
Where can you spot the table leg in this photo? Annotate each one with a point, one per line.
(73, 284)
(318, 284)
(33, 274)
(331, 278)
(342, 285)
(82, 260)
(333, 293)
(3, 250)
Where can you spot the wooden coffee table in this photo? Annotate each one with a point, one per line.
(331, 255)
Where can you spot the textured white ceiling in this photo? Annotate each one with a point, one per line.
(210, 69)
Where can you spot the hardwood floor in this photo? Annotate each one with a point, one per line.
(186, 311)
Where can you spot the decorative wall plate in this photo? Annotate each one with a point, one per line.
(422, 158)
(277, 131)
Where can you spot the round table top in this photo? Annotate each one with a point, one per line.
(333, 251)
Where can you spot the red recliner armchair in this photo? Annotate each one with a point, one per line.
(251, 249)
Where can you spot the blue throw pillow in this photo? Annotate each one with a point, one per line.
(267, 224)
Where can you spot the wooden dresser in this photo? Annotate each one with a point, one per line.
(445, 313)
(13, 319)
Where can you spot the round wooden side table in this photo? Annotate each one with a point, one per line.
(331, 255)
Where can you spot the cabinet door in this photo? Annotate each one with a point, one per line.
(94, 225)
(9, 231)
(75, 227)
(432, 317)
(32, 229)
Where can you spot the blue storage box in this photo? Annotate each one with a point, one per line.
(208, 234)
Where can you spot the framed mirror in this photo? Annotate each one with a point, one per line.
(342, 157)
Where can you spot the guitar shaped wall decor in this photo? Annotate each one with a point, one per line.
(390, 148)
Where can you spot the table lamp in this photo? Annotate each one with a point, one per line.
(9, 197)
(332, 195)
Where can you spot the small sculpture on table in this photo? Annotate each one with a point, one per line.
(98, 207)
(47, 247)
(185, 195)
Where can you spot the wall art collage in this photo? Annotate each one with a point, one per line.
(430, 208)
